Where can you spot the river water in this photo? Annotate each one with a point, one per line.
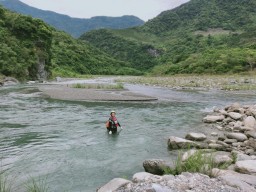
(65, 143)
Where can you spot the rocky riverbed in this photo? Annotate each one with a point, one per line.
(233, 143)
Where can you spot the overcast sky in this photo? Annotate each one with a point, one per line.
(144, 9)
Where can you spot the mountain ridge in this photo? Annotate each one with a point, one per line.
(73, 26)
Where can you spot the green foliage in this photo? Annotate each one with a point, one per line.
(199, 37)
(135, 53)
(74, 26)
(5, 186)
(200, 162)
(37, 186)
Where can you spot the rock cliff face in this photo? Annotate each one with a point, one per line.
(41, 72)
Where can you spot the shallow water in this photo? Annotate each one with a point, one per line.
(66, 142)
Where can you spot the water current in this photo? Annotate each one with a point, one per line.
(66, 141)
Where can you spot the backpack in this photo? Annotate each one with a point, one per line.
(107, 124)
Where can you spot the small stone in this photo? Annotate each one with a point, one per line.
(237, 136)
(221, 138)
(214, 134)
(230, 141)
(216, 146)
(251, 134)
(249, 122)
(196, 136)
(235, 116)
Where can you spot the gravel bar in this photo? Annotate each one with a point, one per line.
(64, 92)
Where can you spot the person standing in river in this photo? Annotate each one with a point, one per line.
(112, 123)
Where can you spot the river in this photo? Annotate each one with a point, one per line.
(65, 143)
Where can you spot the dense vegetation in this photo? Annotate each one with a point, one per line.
(201, 36)
(73, 26)
(25, 42)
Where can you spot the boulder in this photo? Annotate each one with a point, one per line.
(196, 136)
(143, 177)
(249, 122)
(213, 118)
(222, 157)
(246, 166)
(237, 136)
(235, 116)
(233, 108)
(216, 146)
(156, 166)
(241, 181)
(251, 134)
(180, 143)
(10, 81)
(114, 185)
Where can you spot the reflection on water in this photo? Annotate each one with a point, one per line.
(67, 141)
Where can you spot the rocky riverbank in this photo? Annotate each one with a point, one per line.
(232, 144)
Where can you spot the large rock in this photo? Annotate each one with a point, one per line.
(213, 118)
(251, 134)
(10, 81)
(156, 166)
(244, 182)
(247, 167)
(114, 185)
(237, 136)
(233, 108)
(196, 136)
(146, 177)
(235, 116)
(249, 122)
(180, 143)
(221, 158)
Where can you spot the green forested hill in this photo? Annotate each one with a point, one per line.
(201, 36)
(27, 43)
(74, 26)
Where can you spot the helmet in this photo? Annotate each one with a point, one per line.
(112, 112)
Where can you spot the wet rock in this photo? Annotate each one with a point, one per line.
(237, 136)
(196, 136)
(114, 185)
(180, 143)
(246, 166)
(156, 166)
(235, 116)
(10, 81)
(213, 118)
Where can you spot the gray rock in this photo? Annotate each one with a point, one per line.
(230, 141)
(113, 185)
(240, 156)
(249, 151)
(252, 143)
(213, 118)
(216, 146)
(188, 154)
(233, 108)
(10, 81)
(251, 134)
(180, 143)
(249, 122)
(214, 134)
(235, 116)
(244, 182)
(237, 136)
(156, 166)
(247, 167)
(196, 136)
(222, 143)
(146, 177)
(221, 158)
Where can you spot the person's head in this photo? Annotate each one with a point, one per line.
(112, 113)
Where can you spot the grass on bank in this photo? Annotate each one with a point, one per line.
(5, 185)
(37, 185)
(118, 86)
(200, 162)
